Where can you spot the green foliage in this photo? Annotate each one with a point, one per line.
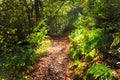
(80, 66)
(116, 40)
(58, 24)
(13, 62)
(60, 15)
(111, 8)
(115, 48)
(16, 57)
(86, 40)
(100, 72)
(97, 33)
(85, 21)
(37, 36)
(38, 39)
(42, 47)
(14, 24)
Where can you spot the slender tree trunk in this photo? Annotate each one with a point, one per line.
(32, 8)
(38, 8)
(28, 12)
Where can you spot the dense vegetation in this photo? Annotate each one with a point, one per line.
(21, 37)
(97, 36)
(94, 26)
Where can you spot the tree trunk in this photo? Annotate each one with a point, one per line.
(28, 12)
(38, 8)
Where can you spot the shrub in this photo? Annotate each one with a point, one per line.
(16, 58)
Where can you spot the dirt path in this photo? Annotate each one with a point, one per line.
(54, 66)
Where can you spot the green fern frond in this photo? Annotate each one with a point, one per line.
(100, 72)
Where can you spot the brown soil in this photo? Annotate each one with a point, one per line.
(55, 64)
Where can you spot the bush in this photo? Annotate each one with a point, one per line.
(16, 57)
(14, 62)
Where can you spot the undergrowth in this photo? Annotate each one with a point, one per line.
(16, 60)
(97, 34)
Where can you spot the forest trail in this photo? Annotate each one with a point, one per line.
(54, 65)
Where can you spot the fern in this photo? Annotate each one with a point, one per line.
(116, 40)
(86, 40)
(80, 66)
(100, 72)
